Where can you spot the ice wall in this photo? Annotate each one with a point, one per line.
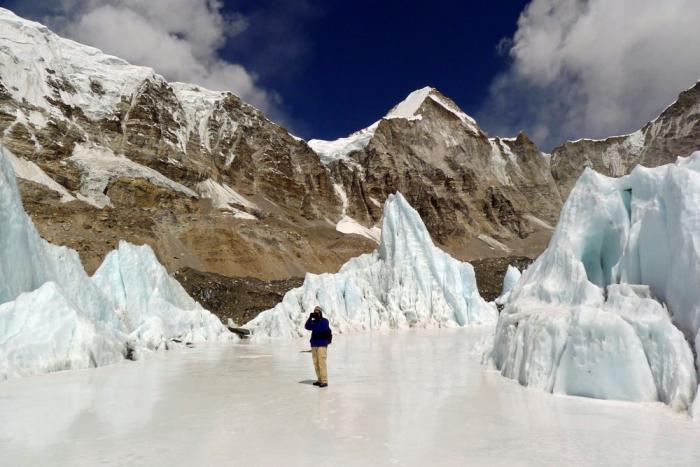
(509, 282)
(153, 306)
(53, 316)
(609, 309)
(406, 282)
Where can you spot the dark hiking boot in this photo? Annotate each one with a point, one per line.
(317, 383)
(322, 385)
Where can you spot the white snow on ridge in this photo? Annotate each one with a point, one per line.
(408, 107)
(54, 317)
(226, 198)
(406, 282)
(100, 166)
(330, 151)
(24, 43)
(590, 316)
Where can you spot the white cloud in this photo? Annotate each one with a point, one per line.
(594, 68)
(180, 39)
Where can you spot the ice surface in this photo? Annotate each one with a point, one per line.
(54, 317)
(608, 309)
(412, 398)
(406, 282)
(42, 331)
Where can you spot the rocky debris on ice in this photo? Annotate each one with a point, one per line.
(53, 316)
(406, 282)
(609, 309)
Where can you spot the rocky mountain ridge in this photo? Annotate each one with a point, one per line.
(106, 151)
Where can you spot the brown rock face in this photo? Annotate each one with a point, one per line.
(462, 183)
(214, 186)
(676, 132)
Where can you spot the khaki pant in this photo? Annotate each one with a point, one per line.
(319, 355)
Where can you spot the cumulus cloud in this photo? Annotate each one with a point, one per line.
(594, 68)
(180, 39)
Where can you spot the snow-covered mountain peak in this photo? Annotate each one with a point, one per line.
(410, 108)
(42, 68)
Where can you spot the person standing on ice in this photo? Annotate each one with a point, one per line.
(321, 337)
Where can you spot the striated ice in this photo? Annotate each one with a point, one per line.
(152, 305)
(609, 309)
(53, 316)
(406, 282)
(509, 281)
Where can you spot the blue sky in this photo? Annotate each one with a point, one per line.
(558, 69)
(355, 60)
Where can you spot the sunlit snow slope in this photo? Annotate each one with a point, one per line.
(54, 317)
(406, 282)
(612, 307)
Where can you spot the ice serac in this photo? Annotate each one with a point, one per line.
(406, 282)
(53, 316)
(609, 309)
(152, 305)
(509, 281)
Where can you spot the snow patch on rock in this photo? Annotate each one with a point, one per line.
(226, 198)
(406, 282)
(100, 166)
(28, 170)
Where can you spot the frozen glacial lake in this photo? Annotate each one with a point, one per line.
(402, 398)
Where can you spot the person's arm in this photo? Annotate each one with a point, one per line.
(309, 324)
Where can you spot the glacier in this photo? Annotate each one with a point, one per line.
(510, 280)
(53, 316)
(611, 309)
(406, 282)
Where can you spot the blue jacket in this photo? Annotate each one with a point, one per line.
(321, 335)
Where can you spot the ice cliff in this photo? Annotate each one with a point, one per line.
(406, 282)
(612, 308)
(53, 316)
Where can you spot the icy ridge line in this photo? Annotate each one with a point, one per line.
(406, 282)
(53, 316)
